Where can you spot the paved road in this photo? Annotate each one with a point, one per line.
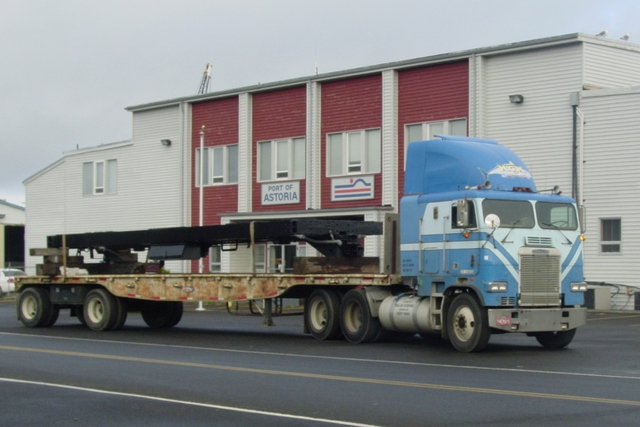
(222, 370)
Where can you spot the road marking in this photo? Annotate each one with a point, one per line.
(613, 318)
(348, 359)
(186, 402)
(441, 387)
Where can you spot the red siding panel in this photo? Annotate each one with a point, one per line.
(220, 118)
(434, 93)
(276, 115)
(350, 104)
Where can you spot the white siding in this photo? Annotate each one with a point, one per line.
(151, 180)
(46, 213)
(150, 183)
(612, 65)
(244, 153)
(612, 184)
(540, 129)
(390, 144)
(11, 214)
(313, 149)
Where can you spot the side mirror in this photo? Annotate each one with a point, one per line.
(582, 217)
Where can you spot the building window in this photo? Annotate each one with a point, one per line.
(215, 259)
(100, 177)
(610, 235)
(220, 165)
(355, 152)
(281, 159)
(259, 258)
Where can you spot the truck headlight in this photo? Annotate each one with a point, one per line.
(498, 287)
(578, 287)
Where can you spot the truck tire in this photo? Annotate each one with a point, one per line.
(358, 326)
(322, 314)
(35, 309)
(102, 310)
(123, 311)
(467, 324)
(555, 340)
(162, 314)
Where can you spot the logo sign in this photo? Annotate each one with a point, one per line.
(281, 194)
(356, 188)
(509, 170)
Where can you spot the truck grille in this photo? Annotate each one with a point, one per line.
(539, 241)
(539, 277)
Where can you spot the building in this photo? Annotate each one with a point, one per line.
(332, 145)
(126, 185)
(12, 220)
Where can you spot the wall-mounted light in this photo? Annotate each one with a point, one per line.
(516, 99)
(165, 142)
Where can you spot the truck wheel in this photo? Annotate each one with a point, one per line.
(467, 324)
(358, 326)
(123, 311)
(101, 310)
(322, 314)
(555, 340)
(35, 309)
(162, 314)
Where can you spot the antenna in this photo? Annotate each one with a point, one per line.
(206, 76)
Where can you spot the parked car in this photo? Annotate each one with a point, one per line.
(6, 280)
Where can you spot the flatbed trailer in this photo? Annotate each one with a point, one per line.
(101, 299)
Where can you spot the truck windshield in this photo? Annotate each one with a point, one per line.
(560, 216)
(512, 213)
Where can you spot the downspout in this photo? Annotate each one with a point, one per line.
(577, 159)
(574, 100)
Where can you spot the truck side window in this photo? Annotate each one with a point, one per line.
(472, 216)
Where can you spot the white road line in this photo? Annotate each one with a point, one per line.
(349, 359)
(186, 402)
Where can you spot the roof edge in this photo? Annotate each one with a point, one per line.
(445, 57)
(11, 205)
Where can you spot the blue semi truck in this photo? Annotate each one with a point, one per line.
(475, 250)
(479, 243)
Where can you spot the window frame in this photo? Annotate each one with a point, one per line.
(100, 177)
(602, 242)
(358, 154)
(283, 160)
(215, 259)
(218, 165)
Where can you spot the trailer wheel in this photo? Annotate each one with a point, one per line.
(123, 311)
(101, 310)
(555, 340)
(467, 324)
(358, 326)
(35, 309)
(162, 314)
(322, 314)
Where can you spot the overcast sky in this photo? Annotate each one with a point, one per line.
(69, 68)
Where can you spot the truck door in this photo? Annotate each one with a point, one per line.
(461, 252)
(431, 233)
